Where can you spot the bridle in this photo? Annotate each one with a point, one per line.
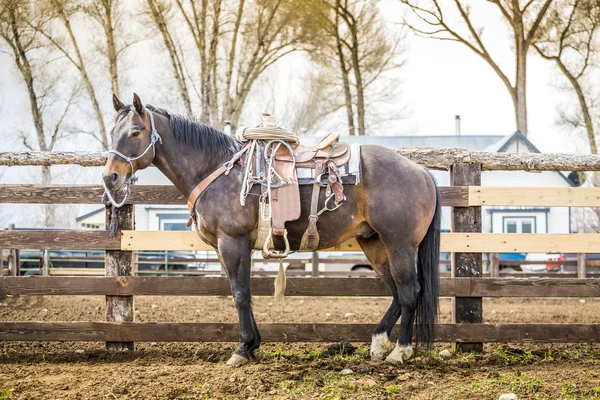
(154, 137)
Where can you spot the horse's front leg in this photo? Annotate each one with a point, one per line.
(235, 255)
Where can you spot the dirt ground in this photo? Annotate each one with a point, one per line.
(84, 370)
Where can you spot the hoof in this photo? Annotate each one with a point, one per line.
(400, 354)
(237, 361)
(381, 346)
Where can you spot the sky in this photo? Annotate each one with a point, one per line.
(441, 79)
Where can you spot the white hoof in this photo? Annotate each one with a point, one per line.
(381, 346)
(400, 354)
(237, 361)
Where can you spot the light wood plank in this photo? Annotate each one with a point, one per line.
(533, 196)
(451, 242)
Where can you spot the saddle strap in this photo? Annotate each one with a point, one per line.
(311, 238)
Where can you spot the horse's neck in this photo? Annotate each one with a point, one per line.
(183, 166)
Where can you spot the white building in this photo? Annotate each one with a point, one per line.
(494, 219)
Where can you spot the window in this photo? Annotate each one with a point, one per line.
(173, 222)
(519, 225)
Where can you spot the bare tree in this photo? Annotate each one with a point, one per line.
(355, 50)
(568, 38)
(23, 40)
(109, 15)
(64, 11)
(160, 15)
(233, 42)
(524, 18)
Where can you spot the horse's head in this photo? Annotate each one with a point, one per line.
(133, 136)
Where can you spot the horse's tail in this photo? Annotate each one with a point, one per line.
(428, 261)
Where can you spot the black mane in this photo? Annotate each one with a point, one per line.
(198, 135)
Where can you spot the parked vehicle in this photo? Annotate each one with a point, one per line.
(31, 260)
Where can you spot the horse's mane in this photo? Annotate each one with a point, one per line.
(198, 135)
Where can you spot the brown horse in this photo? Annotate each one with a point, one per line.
(394, 211)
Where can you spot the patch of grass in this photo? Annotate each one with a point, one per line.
(391, 390)
(570, 391)
(517, 356)
(529, 386)
(315, 355)
(5, 394)
(291, 387)
(508, 384)
(277, 354)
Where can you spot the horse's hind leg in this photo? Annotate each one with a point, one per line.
(402, 260)
(374, 249)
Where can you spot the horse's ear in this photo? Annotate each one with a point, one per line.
(137, 104)
(117, 104)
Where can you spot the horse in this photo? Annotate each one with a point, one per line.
(394, 214)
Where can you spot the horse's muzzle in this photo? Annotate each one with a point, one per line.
(113, 181)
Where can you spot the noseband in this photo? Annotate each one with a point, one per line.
(154, 137)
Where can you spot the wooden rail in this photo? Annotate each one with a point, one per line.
(317, 332)
(433, 158)
(296, 286)
(452, 196)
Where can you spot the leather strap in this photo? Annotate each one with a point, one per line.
(311, 237)
(224, 169)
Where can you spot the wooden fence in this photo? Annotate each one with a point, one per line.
(466, 242)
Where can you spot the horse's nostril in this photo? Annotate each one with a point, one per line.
(111, 180)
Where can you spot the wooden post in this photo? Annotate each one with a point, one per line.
(2, 262)
(581, 267)
(466, 219)
(118, 263)
(315, 263)
(14, 259)
(494, 265)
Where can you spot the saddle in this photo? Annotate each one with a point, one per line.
(280, 159)
(271, 158)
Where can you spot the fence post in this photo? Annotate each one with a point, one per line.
(119, 263)
(315, 263)
(581, 267)
(2, 262)
(466, 219)
(494, 265)
(14, 259)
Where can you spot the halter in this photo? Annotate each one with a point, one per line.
(154, 137)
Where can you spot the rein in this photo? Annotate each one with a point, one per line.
(154, 137)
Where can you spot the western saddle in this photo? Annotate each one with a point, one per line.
(272, 156)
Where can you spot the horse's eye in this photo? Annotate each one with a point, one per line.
(135, 133)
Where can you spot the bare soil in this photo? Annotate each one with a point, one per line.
(83, 370)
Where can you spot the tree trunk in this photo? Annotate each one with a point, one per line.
(49, 209)
(86, 80)
(585, 111)
(345, 80)
(520, 91)
(360, 90)
(112, 49)
(176, 62)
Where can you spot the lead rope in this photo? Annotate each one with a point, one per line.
(107, 197)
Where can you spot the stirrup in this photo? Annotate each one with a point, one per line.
(266, 253)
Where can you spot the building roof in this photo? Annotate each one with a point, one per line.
(85, 216)
(469, 142)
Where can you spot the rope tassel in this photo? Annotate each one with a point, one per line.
(280, 284)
